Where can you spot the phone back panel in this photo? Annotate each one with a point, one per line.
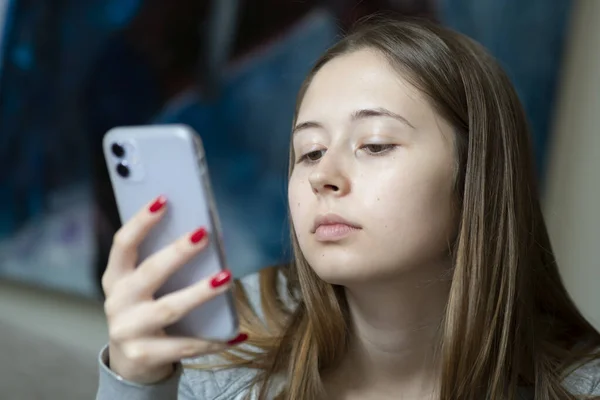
(169, 160)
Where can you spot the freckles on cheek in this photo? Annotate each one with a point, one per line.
(296, 199)
(298, 203)
(379, 210)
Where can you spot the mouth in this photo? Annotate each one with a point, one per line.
(332, 227)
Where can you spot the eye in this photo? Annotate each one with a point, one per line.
(377, 149)
(312, 156)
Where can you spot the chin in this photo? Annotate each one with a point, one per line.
(352, 278)
(341, 266)
(347, 270)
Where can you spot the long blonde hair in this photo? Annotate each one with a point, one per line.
(509, 321)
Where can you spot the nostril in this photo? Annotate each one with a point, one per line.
(325, 188)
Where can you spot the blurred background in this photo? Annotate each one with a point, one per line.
(70, 70)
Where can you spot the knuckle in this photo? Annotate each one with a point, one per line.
(199, 294)
(111, 308)
(108, 308)
(136, 353)
(167, 312)
(117, 332)
(122, 240)
(194, 350)
(106, 285)
(182, 247)
(214, 347)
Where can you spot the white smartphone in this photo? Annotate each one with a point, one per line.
(147, 161)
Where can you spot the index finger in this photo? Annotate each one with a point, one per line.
(123, 253)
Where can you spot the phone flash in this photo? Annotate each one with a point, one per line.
(134, 160)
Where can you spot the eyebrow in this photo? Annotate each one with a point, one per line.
(356, 116)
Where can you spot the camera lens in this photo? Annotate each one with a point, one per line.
(118, 150)
(123, 170)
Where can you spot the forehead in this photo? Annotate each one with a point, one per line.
(359, 80)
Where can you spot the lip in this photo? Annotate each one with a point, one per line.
(332, 227)
(332, 219)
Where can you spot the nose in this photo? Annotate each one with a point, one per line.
(328, 177)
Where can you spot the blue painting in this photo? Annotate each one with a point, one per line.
(71, 70)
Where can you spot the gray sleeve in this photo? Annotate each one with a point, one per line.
(592, 386)
(113, 387)
(585, 381)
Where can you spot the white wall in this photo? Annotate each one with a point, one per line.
(572, 199)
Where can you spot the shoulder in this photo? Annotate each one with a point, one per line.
(585, 380)
(275, 276)
(223, 384)
(215, 384)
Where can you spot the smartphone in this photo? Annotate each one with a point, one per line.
(147, 161)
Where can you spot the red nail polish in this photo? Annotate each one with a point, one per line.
(220, 279)
(242, 337)
(198, 235)
(158, 204)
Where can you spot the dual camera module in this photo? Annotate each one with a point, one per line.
(119, 152)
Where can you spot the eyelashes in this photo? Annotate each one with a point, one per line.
(371, 149)
(377, 149)
(311, 156)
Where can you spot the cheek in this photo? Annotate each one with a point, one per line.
(298, 197)
(411, 206)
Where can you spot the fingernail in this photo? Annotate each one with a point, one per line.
(242, 337)
(220, 279)
(158, 204)
(198, 235)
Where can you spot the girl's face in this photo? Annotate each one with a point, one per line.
(371, 190)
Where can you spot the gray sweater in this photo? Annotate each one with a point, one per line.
(233, 384)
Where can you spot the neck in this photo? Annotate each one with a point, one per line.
(395, 332)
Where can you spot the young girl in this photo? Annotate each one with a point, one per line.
(423, 269)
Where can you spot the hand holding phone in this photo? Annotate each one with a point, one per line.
(166, 283)
(139, 349)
